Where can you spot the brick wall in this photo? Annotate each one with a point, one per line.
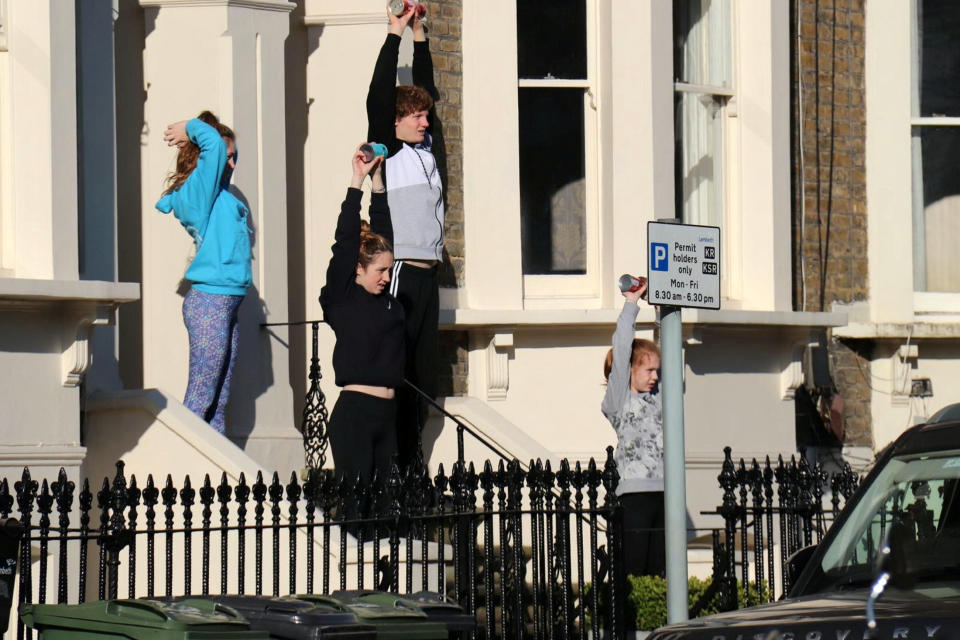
(443, 27)
(829, 181)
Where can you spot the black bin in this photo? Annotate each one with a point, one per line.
(292, 619)
(10, 532)
(441, 608)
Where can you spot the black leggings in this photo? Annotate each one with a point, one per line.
(644, 551)
(363, 436)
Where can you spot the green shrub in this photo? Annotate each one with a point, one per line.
(647, 599)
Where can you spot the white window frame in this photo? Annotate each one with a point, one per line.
(924, 302)
(554, 291)
(728, 156)
(7, 240)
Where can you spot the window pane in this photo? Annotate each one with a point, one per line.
(552, 39)
(699, 158)
(701, 41)
(936, 208)
(552, 181)
(938, 57)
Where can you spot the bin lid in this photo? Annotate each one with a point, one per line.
(289, 618)
(394, 619)
(139, 618)
(442, 608)
(269, 610)
(378, 604)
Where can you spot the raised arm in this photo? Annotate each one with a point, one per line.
(422, 60)
(200, 189)
(382, 94)
(618, 385)
(342, 270)
(380, 222)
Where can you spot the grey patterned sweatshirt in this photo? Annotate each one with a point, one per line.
(636, 417)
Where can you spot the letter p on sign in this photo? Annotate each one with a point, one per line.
(659, 257)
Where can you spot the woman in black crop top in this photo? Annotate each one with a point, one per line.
(368, 323)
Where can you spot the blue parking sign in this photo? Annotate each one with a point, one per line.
(659, 256)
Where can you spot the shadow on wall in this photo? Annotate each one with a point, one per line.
(253, 371)
(297, 49)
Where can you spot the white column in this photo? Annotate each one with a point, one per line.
(42, 101)
(641, 153)
(226, 56)
(763, 99)
(491, 192)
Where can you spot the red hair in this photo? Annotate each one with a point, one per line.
(641, 349)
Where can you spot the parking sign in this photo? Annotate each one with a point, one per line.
(684, 261)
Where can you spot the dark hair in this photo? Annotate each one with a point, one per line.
(641, 349)
(370, 245)
(411, 99)
(189, 153)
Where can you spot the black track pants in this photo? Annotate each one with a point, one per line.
(417, 289)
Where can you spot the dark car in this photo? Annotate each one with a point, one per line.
(900, 536)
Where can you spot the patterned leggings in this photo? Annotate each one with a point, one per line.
(211, 322)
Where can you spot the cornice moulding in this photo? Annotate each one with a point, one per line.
(54, 455)
(343, 19)
(266, 5)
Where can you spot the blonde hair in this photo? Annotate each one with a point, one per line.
(641, 349)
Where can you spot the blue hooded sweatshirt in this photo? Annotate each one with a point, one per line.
(214, 218)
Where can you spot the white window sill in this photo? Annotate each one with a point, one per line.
(469, 318)
(929, 303)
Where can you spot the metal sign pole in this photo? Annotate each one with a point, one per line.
(684, 261)
(674, 481)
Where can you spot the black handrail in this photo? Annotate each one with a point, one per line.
(461, 427)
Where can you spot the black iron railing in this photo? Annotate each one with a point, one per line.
(516, 547)
(769, 513)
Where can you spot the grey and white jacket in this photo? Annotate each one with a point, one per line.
(414, 185)
(636, 417)
(415, 193)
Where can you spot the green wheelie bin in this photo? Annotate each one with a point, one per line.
(393, 618)
(136, 620)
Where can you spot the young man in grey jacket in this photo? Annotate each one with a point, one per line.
(399, 117)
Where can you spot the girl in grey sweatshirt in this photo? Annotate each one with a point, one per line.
(632, 405)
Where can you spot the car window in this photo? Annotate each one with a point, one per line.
(917, 492)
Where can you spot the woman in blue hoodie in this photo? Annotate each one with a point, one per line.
(197, 193)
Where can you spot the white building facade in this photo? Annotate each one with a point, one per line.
(578, 127)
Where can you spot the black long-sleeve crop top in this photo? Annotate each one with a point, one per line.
(369, 328)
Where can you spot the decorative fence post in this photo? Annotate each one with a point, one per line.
(115, 536)
(314, 420)
(63, 494)
(730, 512)
(614, 539)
